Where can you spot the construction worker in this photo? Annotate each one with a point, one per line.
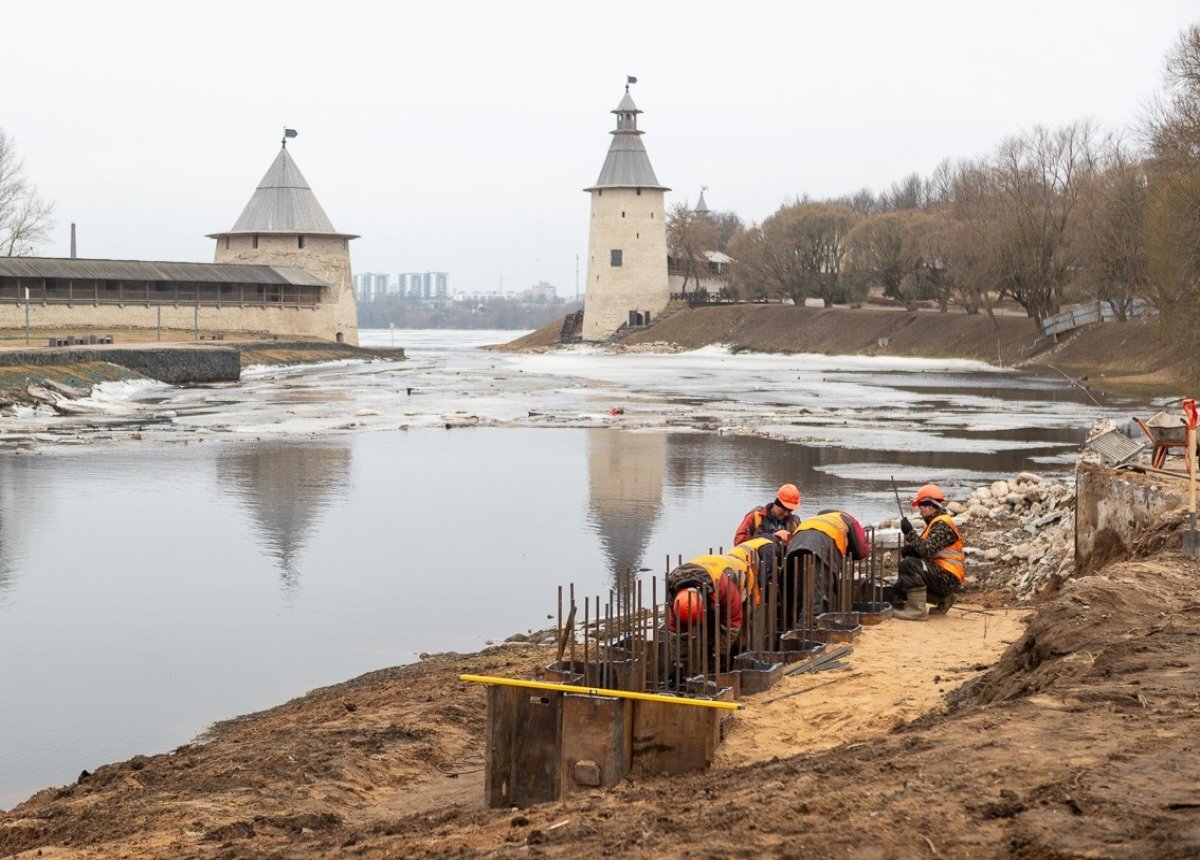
(779, 513)
(763, 557)
(827, 539)
(932, 565)
(709, 588)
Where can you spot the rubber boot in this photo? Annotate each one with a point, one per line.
(944, 604)
(915, 610)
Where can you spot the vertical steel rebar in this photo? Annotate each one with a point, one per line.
(588, 681)
(571, 593)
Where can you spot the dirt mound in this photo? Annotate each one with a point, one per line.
(547, 336)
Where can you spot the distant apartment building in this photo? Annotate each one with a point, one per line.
(420, 286)
(540, 293)
(370, 285)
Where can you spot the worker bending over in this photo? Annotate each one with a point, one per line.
(932, 565)
(824, 541)
(708, 590)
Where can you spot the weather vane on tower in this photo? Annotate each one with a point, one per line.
(288, 132)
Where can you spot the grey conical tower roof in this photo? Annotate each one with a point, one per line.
(283, 203)
(701, 206)
(627, 165)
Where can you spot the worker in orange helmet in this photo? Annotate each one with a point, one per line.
(932, 565)
(829, 539)
(779, 513)
(706, 589)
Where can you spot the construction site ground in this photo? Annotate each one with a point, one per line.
(1064, 729)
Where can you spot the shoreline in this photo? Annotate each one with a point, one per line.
(989, 517)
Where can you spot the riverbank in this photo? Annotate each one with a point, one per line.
(1124, 357)
(996, 740)
(71, 372)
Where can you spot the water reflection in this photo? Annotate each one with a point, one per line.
(285, 487)
(625, 482)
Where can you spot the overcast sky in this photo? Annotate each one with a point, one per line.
(458, 136)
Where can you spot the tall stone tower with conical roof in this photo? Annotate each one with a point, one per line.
(627, 239)
(284, 225)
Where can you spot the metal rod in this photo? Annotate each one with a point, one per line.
(600, 691)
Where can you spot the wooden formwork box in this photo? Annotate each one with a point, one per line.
(673, 739)
(543, 745)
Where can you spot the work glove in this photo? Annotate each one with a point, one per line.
(905, 525)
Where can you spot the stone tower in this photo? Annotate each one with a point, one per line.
(627, 239)
(284, 225)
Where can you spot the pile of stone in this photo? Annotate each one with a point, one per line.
(1020, 534)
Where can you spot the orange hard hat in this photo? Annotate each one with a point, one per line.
(688, 606)
(931, 493)
(789, 496)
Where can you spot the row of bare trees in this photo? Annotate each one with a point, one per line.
(1052, 216)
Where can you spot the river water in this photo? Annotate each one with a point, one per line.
(182, 556)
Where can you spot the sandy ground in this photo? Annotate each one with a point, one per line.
(898, 672)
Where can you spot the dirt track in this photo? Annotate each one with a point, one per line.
(1078, 740)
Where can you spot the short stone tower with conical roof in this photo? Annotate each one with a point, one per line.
(284, 225)
(627, 238)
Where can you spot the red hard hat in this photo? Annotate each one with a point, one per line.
(930, 492)
(789, 496)
(688, 606)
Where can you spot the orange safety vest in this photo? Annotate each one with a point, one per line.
(951, 559)
(743, 574)
(747, 551)
(831, 525)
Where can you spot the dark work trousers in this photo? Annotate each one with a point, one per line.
(918, 573)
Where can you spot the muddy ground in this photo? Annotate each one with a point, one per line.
(1061, 730)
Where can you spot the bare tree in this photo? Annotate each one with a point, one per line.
(1109, 234)
(967, 243)
(728, 223)
(24, 213)
(1039, 177)
(767, 265)
(690, 236)
(877, 250)
(819, 232)
(1173, 197)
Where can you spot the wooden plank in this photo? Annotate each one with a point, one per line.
(672, 740)
(523, 747)
(498, 759)
(599, 730)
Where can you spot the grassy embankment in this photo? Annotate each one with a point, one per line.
(1126, 357)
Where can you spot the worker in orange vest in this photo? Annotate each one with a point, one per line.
(829, 539)
(779, 513)
(932, 565)
(709, 587)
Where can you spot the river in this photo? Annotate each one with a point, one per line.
(187, 555)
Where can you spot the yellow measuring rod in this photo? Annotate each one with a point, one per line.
(592, 691)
